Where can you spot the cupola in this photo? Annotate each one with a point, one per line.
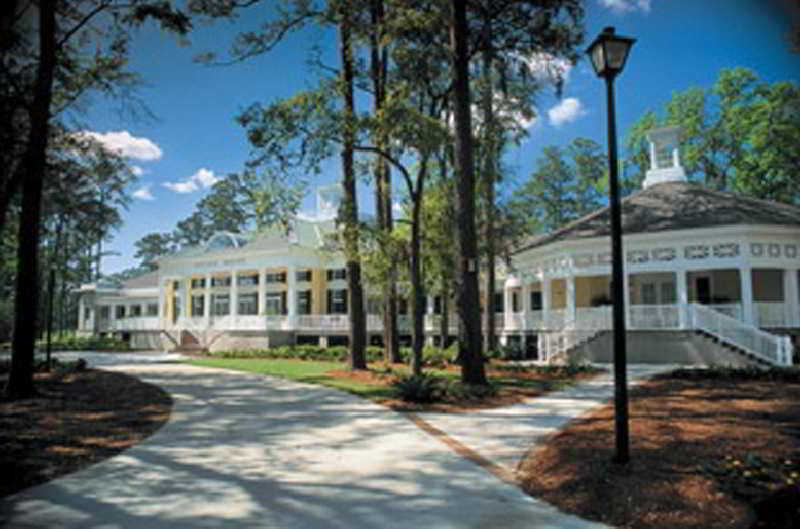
(665, 161)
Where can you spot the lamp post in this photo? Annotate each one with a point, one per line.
(608, 53)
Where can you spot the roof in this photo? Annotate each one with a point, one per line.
(147, 280)
(304, 233)
(672, 206)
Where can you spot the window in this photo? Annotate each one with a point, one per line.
(247, 280)
(105, 312)
(221, 281)
(339, 273)
(87, 313)
(515, 302)
(119, 312)
(275, 277)
(152, 309)
(220, 304)
(303, 275)
(135, 311)
(437, 304)
(275, 303)
(199, 282)
(337, 301)
(536, 301)
(304, 302)
(248, 304)
(648, 294)
(498, 302)
(198, 305)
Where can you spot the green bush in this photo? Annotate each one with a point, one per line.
(84, 343)
(457, 390)
(422, 388)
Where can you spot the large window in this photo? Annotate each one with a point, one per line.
(198, 305)
(275, 303)
(339, 273)
(119, 312)
(152, 309)
(275, 277)
(303, 275)
(221, 281)
(304, 302)
(248, 304)
(220, 304)
(135, 311)
(199, 282)
(515, 305)
(337, 301)
(247, 280)
(105, 312)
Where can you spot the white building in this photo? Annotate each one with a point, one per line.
(696, 260)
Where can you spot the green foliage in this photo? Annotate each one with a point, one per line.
(751, 476)
(301, 352)
(423, 388)
(738, 135)
(459, 391)
(84, 343)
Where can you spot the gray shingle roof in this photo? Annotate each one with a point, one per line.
(673, 206)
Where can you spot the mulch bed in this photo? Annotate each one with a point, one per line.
(78, 418)
(704, 453)
(506, 395)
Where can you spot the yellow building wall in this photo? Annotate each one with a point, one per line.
(319, 287)
(590, 287)
(558, 294)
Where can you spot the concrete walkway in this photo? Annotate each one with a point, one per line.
(244, 451)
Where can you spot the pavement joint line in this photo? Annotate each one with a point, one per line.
(498, 471)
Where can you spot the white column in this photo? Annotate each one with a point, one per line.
(291, 293)
(626, 296)
(81, 310)
(682, 293)
(546, 301)
(262, 292)
(525, 292)
(746, 277)
(162, 306)
(234, 292)
(571, 298)
(207, 301)
(791, 297)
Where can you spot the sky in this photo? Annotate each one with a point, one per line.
(194, 139)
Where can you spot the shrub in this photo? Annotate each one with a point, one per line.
(457, 390)
(422, 388)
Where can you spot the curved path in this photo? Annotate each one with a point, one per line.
(249, 451)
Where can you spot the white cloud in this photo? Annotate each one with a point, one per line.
(136, 170)
(625, 6)
(143, 193)
(546, 67)
(202, 178)
(566, 111)
(124, 144)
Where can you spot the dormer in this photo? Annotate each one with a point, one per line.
(665, 159)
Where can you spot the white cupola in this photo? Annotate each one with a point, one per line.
(665, 159)
(328, 200)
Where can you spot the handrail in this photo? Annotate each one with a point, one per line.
(776, 350)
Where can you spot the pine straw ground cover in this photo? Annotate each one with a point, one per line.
(79, 418)
(720, 452)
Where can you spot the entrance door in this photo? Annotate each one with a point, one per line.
(702, 286)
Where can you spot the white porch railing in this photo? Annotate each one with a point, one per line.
(774, 314)
(776, 350)
(732, 310)
(139, 323)
(653, 317)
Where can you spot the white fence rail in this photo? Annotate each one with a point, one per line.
(776, 350)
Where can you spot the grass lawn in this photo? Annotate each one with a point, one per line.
(511, 384)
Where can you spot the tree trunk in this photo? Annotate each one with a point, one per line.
(349, 207)
(383, 185)
(20, 380)
(444, 326)
(417, 297)
(489, 175)
(472, 368)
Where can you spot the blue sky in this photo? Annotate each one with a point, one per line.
(195, 139)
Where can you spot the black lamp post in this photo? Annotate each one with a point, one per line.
(608, 53)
